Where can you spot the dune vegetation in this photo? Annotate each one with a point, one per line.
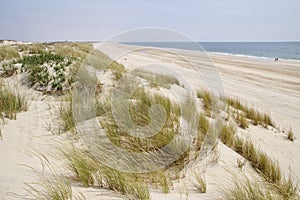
(286, 187)
(255, 117)
(51, 69)
(11, 103)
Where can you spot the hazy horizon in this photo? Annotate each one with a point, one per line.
(204, 21)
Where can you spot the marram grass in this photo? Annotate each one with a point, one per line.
(11, 103)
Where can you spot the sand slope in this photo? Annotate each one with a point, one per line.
(269, 86)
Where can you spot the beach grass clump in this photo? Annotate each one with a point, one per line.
(55, 188)
(290, 135)
(8, 52)
(75, 50)
(35, 48)
(90, 172)
(102, 62)
(249, 190)
(258, 159)
(117, 69)
(140, 105)
(203, 127)
(227, 134)
(289, 188)
(236, 103)
(11, 103)
(242, 121)
(66, 115)
(256, 117)
(82, 165)
(50, 184)
(157, 79)
(86, 47)
(160, 179)
(267, 168)
(142, 113)
(267, 121)
(207, 100)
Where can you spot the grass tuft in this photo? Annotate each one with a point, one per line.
(249, 190)
(227, 134)
(203, 127)
(252, 114)
(49, 183)
(267, 167)
(92, 173)
(157, 79)
(11, 103)
(66, 115)
(243, 122)
(200, 183)
(207, 98)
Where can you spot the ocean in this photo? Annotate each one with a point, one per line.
(281, 50)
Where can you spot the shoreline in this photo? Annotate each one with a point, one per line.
(254, 57)
(211, 52)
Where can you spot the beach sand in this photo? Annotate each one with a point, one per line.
(271, 87)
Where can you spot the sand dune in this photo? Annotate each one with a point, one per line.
(272, 87)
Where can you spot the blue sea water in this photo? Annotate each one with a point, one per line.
(281, 50)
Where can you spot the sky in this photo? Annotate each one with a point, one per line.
(201, 20)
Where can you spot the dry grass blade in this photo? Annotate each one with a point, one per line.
(199, 182)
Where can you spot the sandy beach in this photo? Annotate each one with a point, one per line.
(271, 87)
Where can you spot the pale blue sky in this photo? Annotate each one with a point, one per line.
(202, 20)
